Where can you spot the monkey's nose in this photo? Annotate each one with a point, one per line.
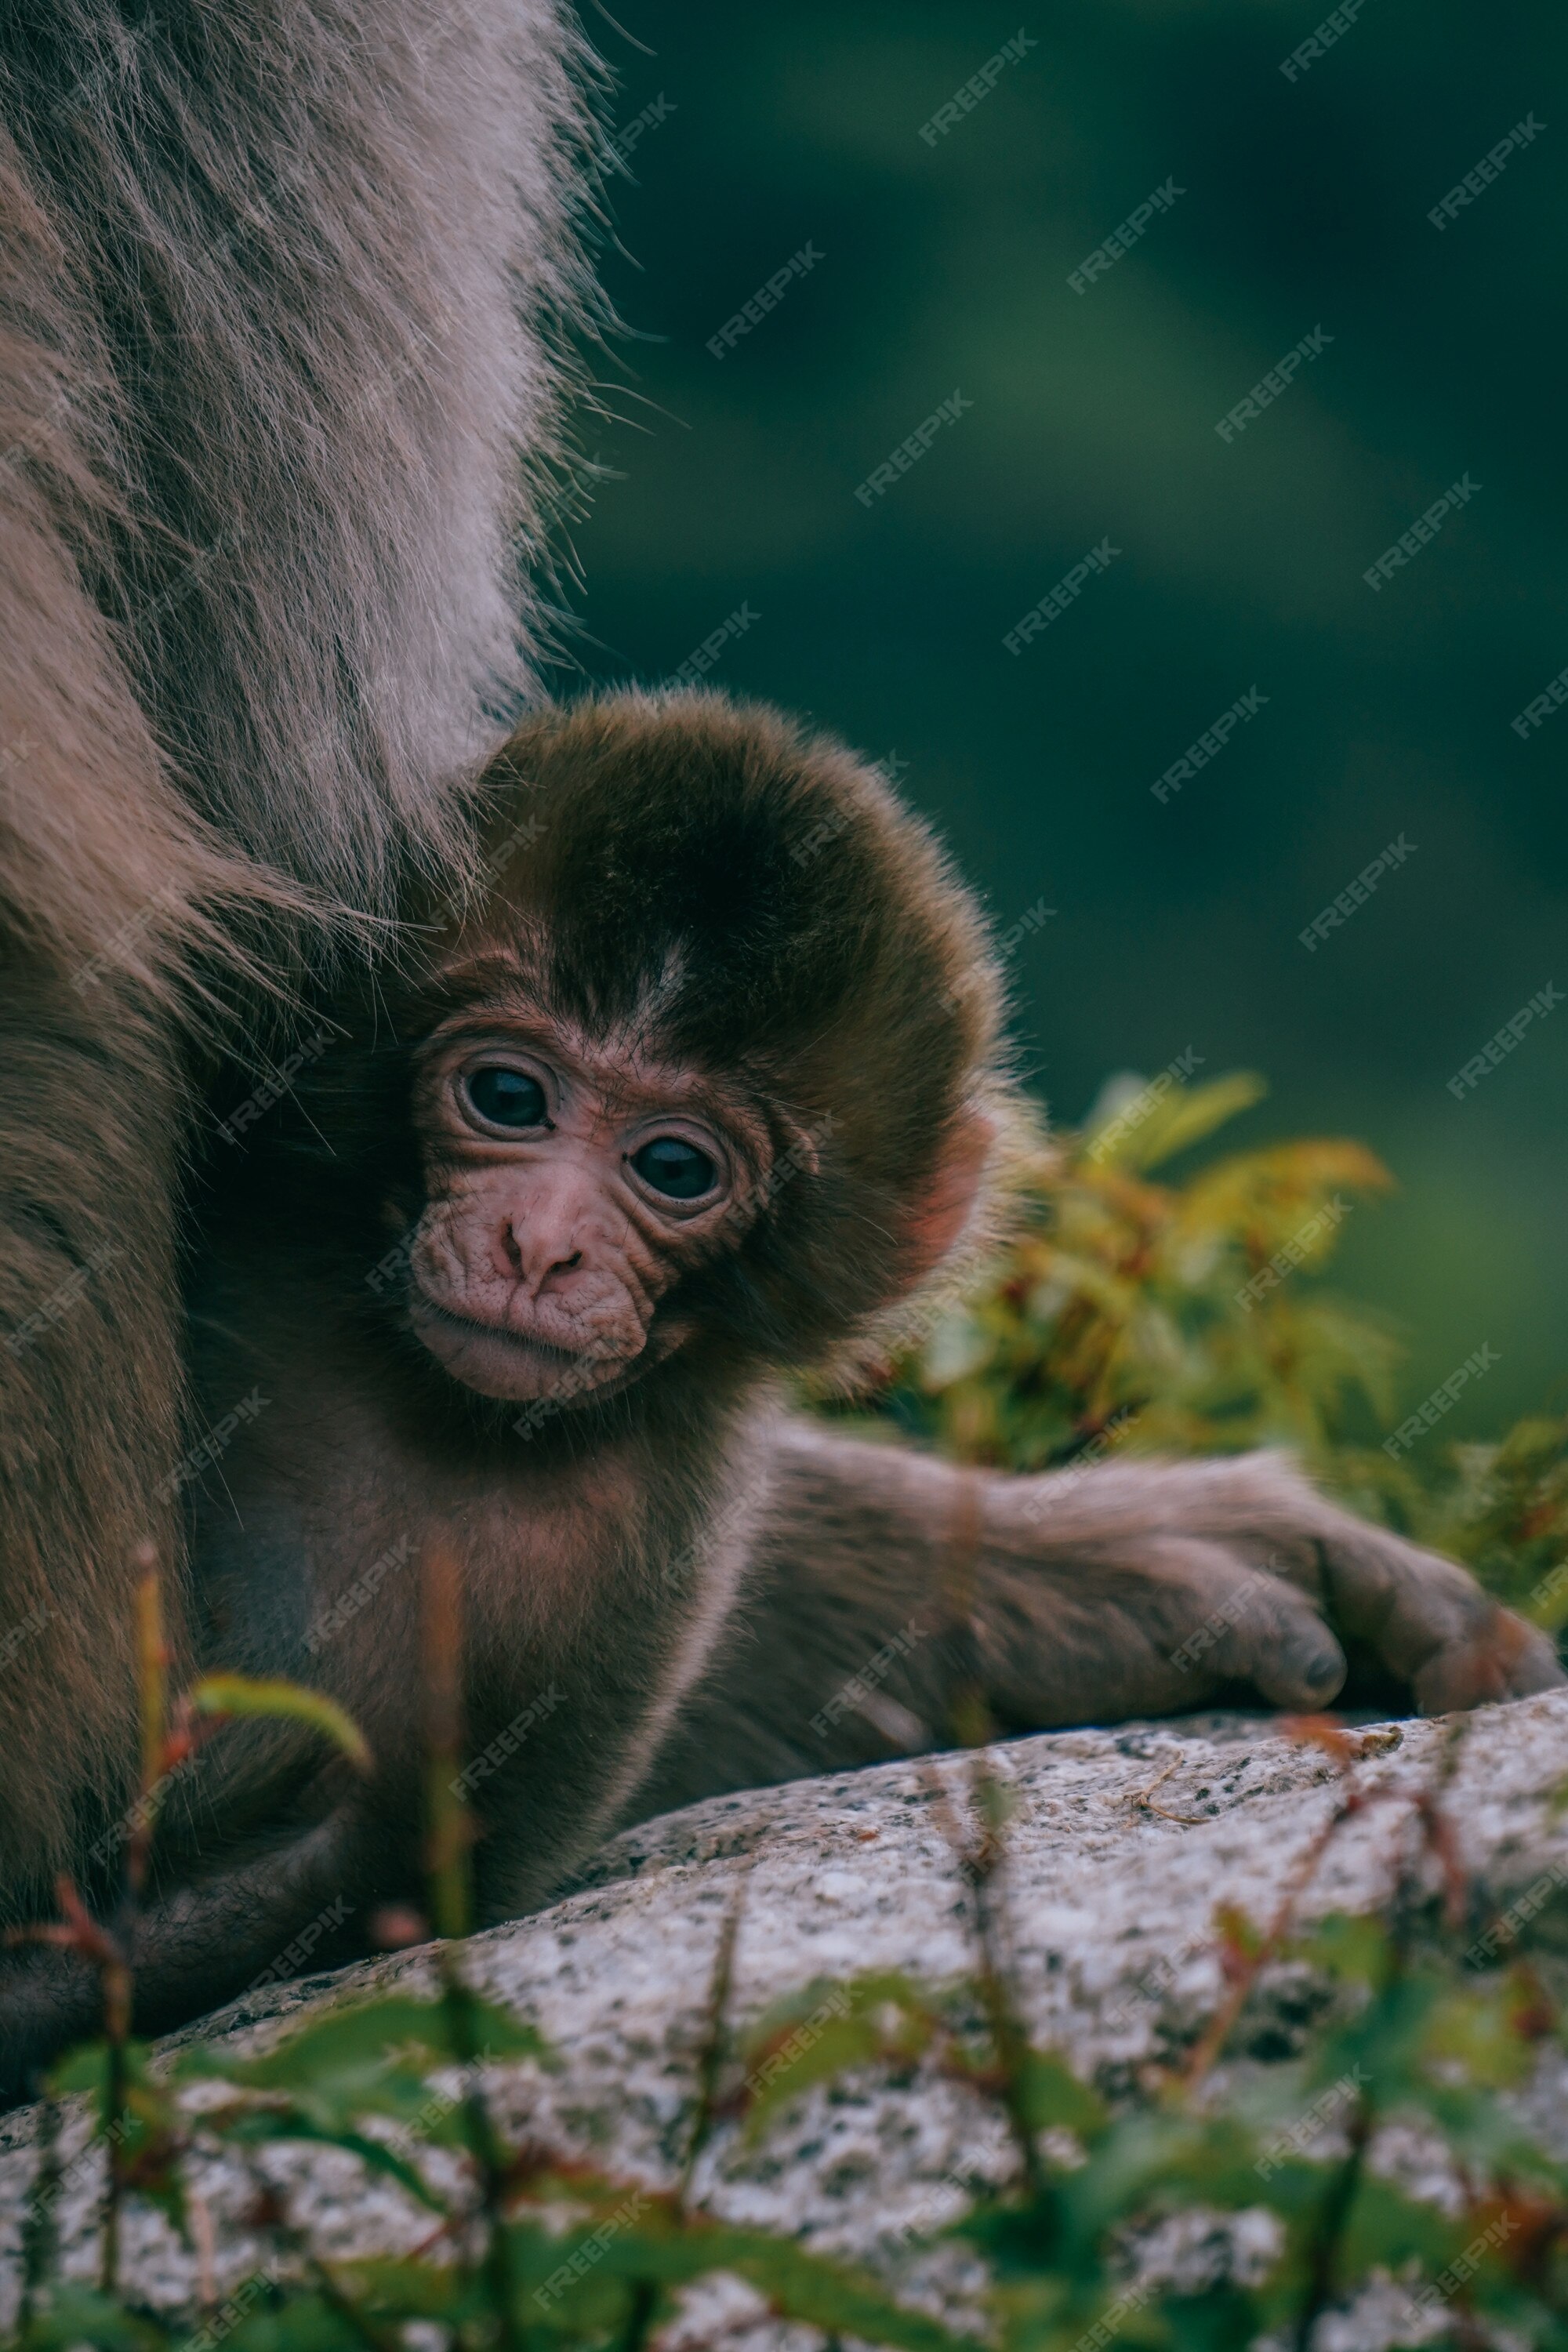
(532, 1257)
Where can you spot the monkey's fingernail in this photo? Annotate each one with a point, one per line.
(1319, 1668)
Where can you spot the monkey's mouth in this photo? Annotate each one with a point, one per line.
(497, 1362)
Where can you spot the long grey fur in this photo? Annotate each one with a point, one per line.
(317, 267)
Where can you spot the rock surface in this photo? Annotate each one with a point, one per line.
(1121, 1845)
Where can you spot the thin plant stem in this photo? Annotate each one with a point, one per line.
(710, 2060)
(710, 2067)
(979, 1860)
(1328, 2234)
(40, 2233)
(1211, 2041)
(295, 2240)
(116, 1965)
(450, 1833)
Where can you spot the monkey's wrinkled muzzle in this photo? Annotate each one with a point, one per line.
(497, 1360)
(512, 1310)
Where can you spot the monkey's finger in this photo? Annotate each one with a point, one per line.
(1427, 1620)
(1146, 1625)
(1276, 1640)
(1505, 1659)
(1218, 1621)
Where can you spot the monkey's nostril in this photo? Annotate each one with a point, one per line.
(568, 1265)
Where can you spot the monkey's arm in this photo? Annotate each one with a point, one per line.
(883, 1579)
(194, 1948)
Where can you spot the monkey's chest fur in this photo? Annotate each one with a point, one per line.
(593, 1582)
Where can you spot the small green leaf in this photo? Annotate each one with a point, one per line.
(662, 2248)
(366, 2058)
(241, 1695)
(293, 2322)
(270, 2123)
(1352, 1950)
(357, 2034)
(880, 2019)
(87, 2068)
(1477, 2033)
(77, 2315)
(1051, 2095)
(1386, 2227)
(1189, 1113)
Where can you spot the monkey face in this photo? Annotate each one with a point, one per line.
(570, 1182)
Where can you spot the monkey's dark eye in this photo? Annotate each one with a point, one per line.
(675, 1167)
(505, 1097)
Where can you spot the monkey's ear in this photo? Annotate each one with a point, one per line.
(937, 1222)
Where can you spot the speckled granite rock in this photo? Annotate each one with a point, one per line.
(1112, 1883)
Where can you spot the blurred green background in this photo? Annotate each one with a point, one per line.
(944, 268)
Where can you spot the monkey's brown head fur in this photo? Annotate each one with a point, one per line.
(710, 1060)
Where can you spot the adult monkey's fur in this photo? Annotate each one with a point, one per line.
(282, 287)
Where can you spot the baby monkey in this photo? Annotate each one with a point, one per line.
(699, 1088)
